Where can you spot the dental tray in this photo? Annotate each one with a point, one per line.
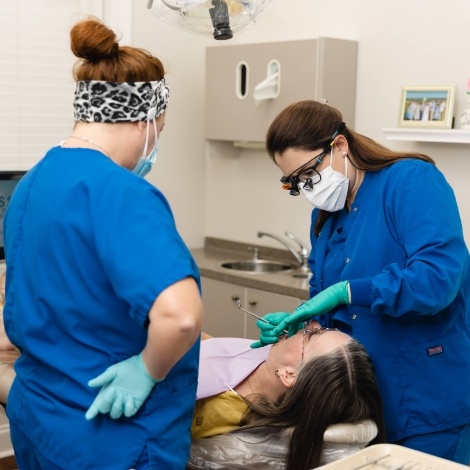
(392, 457)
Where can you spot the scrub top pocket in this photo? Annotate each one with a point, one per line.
(432, 372)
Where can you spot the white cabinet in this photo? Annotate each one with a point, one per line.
(309, 69)
(6, 448)
(222, 317)
(261, 303)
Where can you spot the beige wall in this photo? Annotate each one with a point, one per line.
(233, 195)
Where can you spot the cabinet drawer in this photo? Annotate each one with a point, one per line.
(261, 303)
(223, 318)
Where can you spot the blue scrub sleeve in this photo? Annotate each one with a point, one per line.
(140, 247)
(423, 216)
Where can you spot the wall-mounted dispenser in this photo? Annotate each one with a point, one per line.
(239, 76)
(241, 80)
(270, 87)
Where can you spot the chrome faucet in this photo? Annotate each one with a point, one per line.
(301, 256)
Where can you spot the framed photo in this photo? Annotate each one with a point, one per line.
(427, 107)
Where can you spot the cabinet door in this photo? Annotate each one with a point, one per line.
(222, 317)
(261, 303)
(309, 69)
(6, 448)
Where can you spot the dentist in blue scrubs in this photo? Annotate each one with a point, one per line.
(389, 266)
(102, 295)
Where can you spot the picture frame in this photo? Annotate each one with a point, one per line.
(427, 107)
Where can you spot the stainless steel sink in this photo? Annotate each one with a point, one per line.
(257, 266)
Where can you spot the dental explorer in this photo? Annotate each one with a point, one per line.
(239, 305)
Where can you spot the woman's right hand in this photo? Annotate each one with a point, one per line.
(323, 302)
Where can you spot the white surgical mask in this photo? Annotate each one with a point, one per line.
(329, 194)
(144, 165)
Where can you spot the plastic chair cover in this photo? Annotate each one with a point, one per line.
(266, 447)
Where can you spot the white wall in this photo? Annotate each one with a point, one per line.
(401, 43)
(180, 168)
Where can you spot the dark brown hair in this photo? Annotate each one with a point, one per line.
(338, 387)
(103, 58)
(311, 125)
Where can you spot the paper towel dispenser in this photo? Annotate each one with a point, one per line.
(248, 85)
(241, 81)
(270, 87)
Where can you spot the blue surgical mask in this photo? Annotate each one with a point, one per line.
(144, 165)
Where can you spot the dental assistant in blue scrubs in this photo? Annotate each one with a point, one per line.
(389, 266)
(102, 295)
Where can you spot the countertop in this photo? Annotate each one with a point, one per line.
(217, 251)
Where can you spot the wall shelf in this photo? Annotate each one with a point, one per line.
(450, 136)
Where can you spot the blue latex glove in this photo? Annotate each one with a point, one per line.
(124, 388)
(267, 336)
(322, 303)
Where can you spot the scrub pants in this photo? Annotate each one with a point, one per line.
(452, 444)
(29, 458)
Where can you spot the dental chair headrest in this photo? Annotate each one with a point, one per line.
(266, 447)
(347, 433)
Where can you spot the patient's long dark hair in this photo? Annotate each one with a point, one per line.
(338, 387)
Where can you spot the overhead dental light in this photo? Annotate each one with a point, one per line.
(217, 18)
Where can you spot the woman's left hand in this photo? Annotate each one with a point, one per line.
(124, 388)
(322, 303)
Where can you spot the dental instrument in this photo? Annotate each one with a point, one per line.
(239, 305)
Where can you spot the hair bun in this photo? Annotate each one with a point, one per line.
(92, 40)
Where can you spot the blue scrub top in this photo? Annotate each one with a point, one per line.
(401, 247)
(89, 247)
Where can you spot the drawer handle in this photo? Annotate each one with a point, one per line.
(235, 298)
(253, 302)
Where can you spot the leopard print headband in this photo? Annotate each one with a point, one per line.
(101, 101)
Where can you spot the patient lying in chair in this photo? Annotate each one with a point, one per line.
(286, 405)
(305, 401)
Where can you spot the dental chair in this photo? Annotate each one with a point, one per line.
(266, 448)
(250, 449)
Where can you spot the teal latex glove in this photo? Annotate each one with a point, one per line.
(124, 388)
(267, 336)
(322, 303)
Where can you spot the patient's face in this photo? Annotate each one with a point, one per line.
(288, 351)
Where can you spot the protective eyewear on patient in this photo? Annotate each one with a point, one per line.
(307, 335)
(309, 176)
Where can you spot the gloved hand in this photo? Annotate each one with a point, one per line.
(124, 388)
(267, 336)
(322, 303)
